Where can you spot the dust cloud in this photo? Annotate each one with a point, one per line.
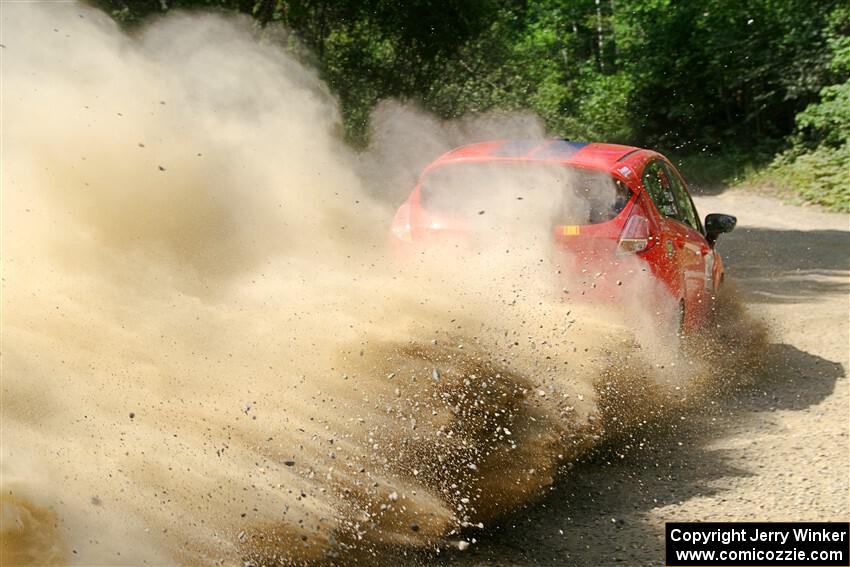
(208, 356)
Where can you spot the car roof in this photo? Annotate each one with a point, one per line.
(591, 155)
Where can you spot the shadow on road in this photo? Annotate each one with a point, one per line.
(596, 514)
(787, 266)
(604, 510)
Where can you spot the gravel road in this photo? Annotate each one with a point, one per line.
(776, 451)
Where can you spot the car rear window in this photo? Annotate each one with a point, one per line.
(537, 192)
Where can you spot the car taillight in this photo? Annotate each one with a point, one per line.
(636, 235)
(401, 224)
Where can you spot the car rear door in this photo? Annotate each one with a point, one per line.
(680, 236)
(699, 273)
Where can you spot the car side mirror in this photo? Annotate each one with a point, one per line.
(716, 224)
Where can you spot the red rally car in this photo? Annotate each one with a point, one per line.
(601, 203)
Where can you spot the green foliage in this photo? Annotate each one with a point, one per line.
(820, 176)
(816, 167)
(736, 80)
(710, 172)
(828, 121)
(603, 112)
